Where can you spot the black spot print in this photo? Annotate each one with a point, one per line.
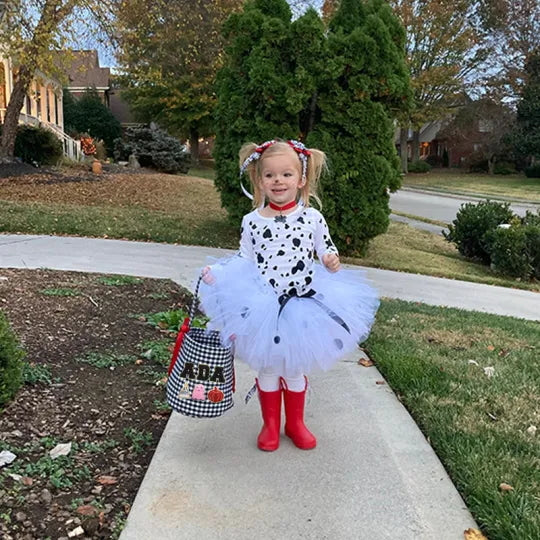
(274, 268)
(253, 240)
(272, 282)
(267, 233)
(244, 313)
(287, 226)
(277, 339)
(280, 252)
(260, 258)
(291, 283)
(308, 280)
(299, 267)
(296, 242)
(301, 220)
(292, 292)
(339, 343)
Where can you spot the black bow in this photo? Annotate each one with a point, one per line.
(284, 299)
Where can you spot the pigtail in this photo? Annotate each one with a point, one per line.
(253, 172)
(316, 166)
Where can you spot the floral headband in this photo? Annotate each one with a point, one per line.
(297, 146)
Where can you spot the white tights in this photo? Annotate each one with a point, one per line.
(269, 380)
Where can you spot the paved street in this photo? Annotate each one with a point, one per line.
(438, 207)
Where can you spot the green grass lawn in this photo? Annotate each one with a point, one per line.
(496, 187)
(435, 359)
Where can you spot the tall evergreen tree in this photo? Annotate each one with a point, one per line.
(528, 112)
(90, 115)
(253, 91)
(337, 90)
(367, 83)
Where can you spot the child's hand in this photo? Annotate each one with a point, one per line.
(331, 261)
(207, 276)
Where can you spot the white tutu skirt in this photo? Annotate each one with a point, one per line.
(294, 334)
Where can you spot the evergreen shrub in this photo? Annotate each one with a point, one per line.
(434, 160)
(469, 231)
(533, 171)
(37, 145)
(154, 148)
(90, 115)
(516, 251)
(419, 166)
(11, 356)
(504, 167)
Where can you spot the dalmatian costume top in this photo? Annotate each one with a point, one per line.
(284, 250)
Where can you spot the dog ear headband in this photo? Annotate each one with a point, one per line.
(297, 146)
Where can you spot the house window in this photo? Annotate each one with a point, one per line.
(28, 105)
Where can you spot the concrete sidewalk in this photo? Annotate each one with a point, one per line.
(180, 263)
(373, 474)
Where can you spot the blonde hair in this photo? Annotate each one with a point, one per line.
(316, 165)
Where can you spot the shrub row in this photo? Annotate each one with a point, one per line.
(491, 233)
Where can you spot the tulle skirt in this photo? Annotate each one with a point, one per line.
(290, 334)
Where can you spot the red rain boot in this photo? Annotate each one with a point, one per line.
(268, 438)
(294, 418)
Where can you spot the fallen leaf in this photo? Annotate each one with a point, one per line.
(107, 480)
(87, 510)
(380, 382)
(489, 371)
(531, 430)
(506, 487)
(16, 477)
(62, 449)
(138, 362)
(473, 534)
(473, 362)
(142, 318)
(163, 324)
(27, 481)
(490, 348)
(366, 362)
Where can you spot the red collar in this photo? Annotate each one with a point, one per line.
(288, 206)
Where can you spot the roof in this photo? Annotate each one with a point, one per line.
(83, 70)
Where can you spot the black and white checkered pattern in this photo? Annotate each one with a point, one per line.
(201, 347)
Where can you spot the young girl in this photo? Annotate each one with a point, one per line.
(287, 314)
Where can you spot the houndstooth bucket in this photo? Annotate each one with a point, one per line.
(201, 379)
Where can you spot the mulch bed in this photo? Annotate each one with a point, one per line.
(109, 414)
(25, 174)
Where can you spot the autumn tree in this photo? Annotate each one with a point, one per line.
(442, 47)
(169, 53)
(513, 30)
(32, 30)
(485, 125)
